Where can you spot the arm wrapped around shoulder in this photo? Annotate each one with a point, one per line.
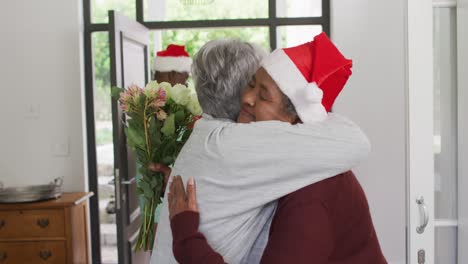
(276, 158)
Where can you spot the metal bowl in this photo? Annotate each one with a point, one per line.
(31, 193)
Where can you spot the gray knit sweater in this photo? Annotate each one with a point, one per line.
(242, 169)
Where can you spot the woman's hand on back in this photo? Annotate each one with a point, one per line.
(179, 200)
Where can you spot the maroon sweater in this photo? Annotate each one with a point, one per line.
(326, 222)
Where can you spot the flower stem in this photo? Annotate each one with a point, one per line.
(145, 124)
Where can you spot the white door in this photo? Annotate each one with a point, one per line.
(420, 161)
(402, 122)
(437, 82)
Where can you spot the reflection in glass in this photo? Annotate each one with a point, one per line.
(178, 10)
(298, 8)
(100, 9)
(445, 135)
(445, 245)
(104, 146)
(288, 36)
(445, 113)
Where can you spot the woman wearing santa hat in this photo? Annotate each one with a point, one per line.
(318, 218)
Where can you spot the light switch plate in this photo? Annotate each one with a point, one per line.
(32, 111)
(61, 147)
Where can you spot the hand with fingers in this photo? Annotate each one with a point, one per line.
(189, 245)
(181, 200)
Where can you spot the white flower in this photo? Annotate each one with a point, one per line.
(194, 106)
(180, 94)
(151, 92)
(165, 85)
(152, 85)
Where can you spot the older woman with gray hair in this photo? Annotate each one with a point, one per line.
(237, 166)
(221, 71)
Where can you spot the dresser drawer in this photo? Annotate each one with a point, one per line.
(43, 252)
(32, 223)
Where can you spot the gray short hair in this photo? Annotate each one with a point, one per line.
(221, 70)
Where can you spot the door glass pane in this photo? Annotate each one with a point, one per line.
(445, 245)
(196, 38)
(100, 8)
(445, 113)
(298, 8)
(104, 147)
(445, 135)
(176, 10)
(288, 36)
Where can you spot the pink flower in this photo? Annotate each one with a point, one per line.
(124, 107)
(160, 99)
(161, 115)
(134, 90)
(162, 94)
(158, 103)
(125, 97)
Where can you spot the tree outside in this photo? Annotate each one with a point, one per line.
(193, 39)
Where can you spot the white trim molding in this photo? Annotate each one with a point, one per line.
(444, 3)
(462, 58)
(446, 223)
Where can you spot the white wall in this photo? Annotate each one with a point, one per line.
(41, 65)
(372, 33)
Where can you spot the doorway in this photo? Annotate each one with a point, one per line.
(268, 23)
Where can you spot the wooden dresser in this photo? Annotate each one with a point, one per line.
(53, 231)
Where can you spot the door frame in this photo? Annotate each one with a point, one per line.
(271, 22)
(91, 155)
(420, 119)
(462, 58)
(128, 214)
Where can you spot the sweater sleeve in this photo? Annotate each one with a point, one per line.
(276, 158)
(301, 234)
(190, 246)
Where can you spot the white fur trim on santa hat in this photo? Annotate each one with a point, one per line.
(167, 64)
(306, 97)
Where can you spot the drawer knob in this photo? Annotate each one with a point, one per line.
(2, 223)
(43, 222)
(45, 254)
(3, 256)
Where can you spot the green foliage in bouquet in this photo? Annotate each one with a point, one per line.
(159, 119)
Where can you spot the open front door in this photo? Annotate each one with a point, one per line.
(420, 155)
(129, 49)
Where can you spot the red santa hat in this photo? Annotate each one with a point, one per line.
(174, 58)
(311, 75)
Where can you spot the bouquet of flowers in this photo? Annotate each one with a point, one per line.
(159, 121)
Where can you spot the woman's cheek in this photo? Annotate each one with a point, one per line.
(265, 111)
